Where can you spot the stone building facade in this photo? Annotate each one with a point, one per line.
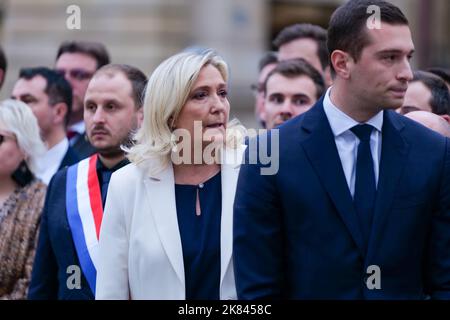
(144, 32)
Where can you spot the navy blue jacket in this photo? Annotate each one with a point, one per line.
(70, 158)
(82, 147)
(56, 250)
(296, 234)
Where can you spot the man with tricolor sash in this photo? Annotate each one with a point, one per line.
(66, 256)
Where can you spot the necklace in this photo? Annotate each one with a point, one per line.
(198, 209)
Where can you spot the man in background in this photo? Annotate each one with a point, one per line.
(305, 41)
(442, 73)
(78, 61)
(290, 89)
(431, 121)
(266, 64)
(49, 96)
(427, 92)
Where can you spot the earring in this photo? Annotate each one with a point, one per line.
(22, 175)
(171, 122)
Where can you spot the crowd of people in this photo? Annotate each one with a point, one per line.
(118, 186)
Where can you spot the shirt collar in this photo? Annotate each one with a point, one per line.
(101, 167)
(55, 154)
(78, 127)
(341, 122)
(49, 163)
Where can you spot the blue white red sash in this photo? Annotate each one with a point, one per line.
(85, 213)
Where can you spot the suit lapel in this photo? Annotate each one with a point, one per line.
(229, 175)
(161, 191)
(321, 150)
(393, 156)
(69, 159)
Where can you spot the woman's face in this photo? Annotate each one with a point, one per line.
(208, 106)
(10, 154)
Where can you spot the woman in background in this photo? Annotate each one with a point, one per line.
(21, 196)
(167, 228)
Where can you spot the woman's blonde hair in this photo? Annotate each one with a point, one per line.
(167, 92)
(18, 119)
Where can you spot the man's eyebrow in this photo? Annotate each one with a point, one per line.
(113, 100)
(276, 94)
(106, 101)
(297, 95)
(393, 51)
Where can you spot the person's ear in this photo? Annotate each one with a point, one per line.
(262, 113)
(60, 111)
(140, 117)
(446, 117)
(171, 123)
(342, 63)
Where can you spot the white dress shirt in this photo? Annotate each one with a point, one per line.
(347, 143)
(49, 163)
(79, 128)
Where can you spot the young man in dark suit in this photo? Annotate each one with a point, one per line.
(360, 205)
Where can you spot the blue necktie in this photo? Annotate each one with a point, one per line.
(365, 186)
(106, 176)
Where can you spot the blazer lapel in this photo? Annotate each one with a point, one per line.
(393, 156)
(229, 174)
(321, 150)
(69, 159)
(161, 191)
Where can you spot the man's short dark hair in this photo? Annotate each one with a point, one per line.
(442, 73)
(305, 31)
(348, 25)
(57, 88)
(440, 96)
(3, 65)
(269, 57)
(295, 68)
(94, 49)
(136, 77)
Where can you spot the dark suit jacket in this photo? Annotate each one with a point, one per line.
(56, 250)
(82, 147)
(296, 234)
(69, 159)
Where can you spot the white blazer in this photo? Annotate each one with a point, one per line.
(140, 251)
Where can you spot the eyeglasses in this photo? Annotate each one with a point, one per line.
(78, 74)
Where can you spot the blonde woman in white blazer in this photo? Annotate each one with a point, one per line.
(167, 227)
